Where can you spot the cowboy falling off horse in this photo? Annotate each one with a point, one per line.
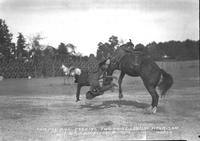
(130, 61)
(93, 74)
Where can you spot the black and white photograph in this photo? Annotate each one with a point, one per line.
(99, 70)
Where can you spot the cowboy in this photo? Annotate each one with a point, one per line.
(98, 86)
(95, 72)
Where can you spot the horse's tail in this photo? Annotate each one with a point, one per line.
(166, 82)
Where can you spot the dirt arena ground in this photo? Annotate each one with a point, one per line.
(45, 110)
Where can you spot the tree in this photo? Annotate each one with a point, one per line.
(152, 49)
(139, 47)
(103, 51)
(21, 45)
(72, 48)
(35, 48)
(62, 52)
(107, 49)
(113, 40)
(62, 49)
(49, 51)
(5, 40)
(35, 42)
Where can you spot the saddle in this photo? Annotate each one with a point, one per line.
(137, 57)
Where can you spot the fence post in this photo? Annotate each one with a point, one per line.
(53, 67)
(35, 70)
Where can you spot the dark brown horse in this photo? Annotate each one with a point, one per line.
(137, 64)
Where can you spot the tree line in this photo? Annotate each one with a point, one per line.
(173, 50)
(176, 50)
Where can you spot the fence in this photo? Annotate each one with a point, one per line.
(42, 68)
(48, 67)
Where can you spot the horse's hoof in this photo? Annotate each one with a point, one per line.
(120, 96)
(151, 110)
(154, 110)
(78, 100)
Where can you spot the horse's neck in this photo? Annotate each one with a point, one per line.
(114, 66)
(110, 72)
(115, 60)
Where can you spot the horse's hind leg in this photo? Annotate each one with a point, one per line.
(122, 74)
(152, 90)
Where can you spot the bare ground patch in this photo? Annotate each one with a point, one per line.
(45, 109)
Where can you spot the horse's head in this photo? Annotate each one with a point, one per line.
(104, 64)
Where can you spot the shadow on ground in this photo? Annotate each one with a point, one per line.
(114, 103)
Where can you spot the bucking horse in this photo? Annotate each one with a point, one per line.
(138, 64)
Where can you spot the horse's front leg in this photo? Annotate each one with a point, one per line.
(78, 90)
(122, 74)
